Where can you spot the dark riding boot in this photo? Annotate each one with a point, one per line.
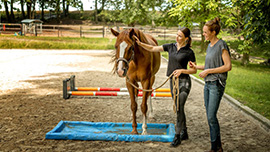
(216, 146)
(176, 141)
(218, 150)
(184, 134)
(219, 145)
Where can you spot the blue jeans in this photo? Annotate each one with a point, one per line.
(213, 92)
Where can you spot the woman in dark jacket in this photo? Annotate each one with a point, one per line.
(180, 54)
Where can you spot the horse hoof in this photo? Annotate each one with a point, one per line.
(144, 133)
(152, 117)
(134, 132)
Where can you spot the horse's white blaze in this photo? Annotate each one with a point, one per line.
(123, 47)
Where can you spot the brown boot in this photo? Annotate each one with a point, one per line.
(220, 149)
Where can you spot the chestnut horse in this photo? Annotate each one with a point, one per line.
(138, 65)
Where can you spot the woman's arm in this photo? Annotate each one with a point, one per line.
(148, 47)
(192, 70)
(226, 67)
(193, 65)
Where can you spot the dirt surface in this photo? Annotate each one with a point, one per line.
(31, 105)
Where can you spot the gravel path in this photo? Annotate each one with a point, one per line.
(31, 104)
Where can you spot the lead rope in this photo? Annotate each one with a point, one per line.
(175, 82)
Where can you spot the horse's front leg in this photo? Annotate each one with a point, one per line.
(151, 112)
(145, 85)
(133, 93)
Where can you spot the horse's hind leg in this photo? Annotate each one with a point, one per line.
(151, 112)
(133, 98)
(146, 85)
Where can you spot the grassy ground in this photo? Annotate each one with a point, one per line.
(248, 84)
(55, 43)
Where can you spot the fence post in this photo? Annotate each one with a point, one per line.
(164, 34)
(21, 29)
(103, 32)
(35, 29)
(58, 30)
(80, 31)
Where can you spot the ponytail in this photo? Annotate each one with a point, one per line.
(189, 42)
(186, 32)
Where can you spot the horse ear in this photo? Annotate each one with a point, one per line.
(131, 33)
(115, 33)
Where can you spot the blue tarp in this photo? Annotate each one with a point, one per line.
(109, 131)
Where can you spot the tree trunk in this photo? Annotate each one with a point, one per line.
(64, 9)
(96, 11)
(33, 10)
(245, 59)
(22, 8)
(7, 12)
(42, 11)
(28, 5)
(11, 11)
(58, 11)
(67, 9)
(103, 4)
(203, 44)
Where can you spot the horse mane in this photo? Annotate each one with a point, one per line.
(127, 36)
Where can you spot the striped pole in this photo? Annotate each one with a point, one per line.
(70, 89)
(88, 93)
(114, 89)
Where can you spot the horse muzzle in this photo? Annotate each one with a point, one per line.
(121, 68)
(122, 72)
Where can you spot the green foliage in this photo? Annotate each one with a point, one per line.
(198, 11)
(257, 21)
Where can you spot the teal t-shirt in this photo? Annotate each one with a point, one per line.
(213, 59)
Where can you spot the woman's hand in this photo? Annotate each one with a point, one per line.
(203, 74)
(192, 65)
(177, 73)
(136, 39)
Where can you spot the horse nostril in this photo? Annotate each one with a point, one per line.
(120, 72)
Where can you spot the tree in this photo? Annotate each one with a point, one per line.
(253, 17)
(198, 11)
(132, 12)
(257, 21)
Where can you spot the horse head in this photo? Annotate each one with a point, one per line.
(124, 54)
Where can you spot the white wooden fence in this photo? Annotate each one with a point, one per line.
(94, 31)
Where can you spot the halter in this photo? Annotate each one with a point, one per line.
(126, 61)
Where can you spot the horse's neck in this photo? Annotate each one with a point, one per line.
(142, 54)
